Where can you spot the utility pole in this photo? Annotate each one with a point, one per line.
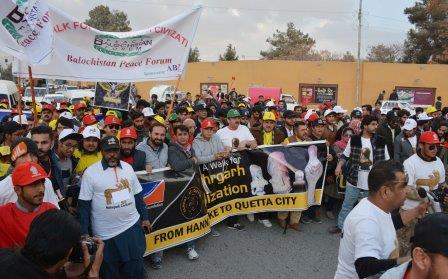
(358, 64)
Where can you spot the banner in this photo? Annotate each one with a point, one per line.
(112, 95)
(84, 53)
(183, 206)
(26, 31)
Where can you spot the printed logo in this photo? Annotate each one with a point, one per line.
(192, 202)
(154, 193)
(34, 171)
(19, 150)
(130, 46)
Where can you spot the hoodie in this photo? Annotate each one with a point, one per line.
(205, 150)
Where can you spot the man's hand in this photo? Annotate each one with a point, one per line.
(94, 271)
(329, 157)
(146, 225)
(148, 168)
(195, 160)
(338, 170)
(409, 215)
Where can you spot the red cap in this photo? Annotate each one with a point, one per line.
(313, 117)
(80, 105)
(208, 123)
(429, 137)
(89, 119)
(48, 107)
(128, 133)
(110, 120)
(27, 173)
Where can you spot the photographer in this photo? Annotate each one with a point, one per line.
(51, 240)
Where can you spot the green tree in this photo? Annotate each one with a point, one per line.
(348, 57)
(384, 53)
(193, 55)
(229, 54)
(6, 73)
(428, 40)
(291, 44)
(102, 18)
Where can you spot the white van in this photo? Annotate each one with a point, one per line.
(39, 93)
(77, 95)
(8, 91)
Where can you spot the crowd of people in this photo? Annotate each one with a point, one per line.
(84, 163)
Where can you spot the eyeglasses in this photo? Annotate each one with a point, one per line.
(116, 127)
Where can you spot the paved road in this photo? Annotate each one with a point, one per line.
(257, 252)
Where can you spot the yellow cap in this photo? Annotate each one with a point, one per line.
(38, 109)
(269, 115)
(52, 124)
(3, 106)
(5, 150)
(241, 105)
(431, 109)
(190, 109)
(112, 112)
(159, 119)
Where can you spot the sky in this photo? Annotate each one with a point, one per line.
(247, 24)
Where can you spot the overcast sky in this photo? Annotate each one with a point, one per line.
(247, 24)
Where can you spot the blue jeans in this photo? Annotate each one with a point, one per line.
(352, 195)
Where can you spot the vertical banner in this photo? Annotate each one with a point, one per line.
(184, 205)
(113, 95)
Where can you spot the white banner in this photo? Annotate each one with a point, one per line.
(26, 31)
(86, 54)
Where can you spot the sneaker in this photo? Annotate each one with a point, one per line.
(156, 264)
(192, 254)
(215, 232)
(250, 217)
(334, 230)
(237, 226)
(305, 219)
(330, 215)
(316, 220)
(265, 223)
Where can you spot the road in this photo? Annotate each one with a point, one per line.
(257, 252)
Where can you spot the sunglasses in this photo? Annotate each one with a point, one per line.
(116, 127)
(432, 146)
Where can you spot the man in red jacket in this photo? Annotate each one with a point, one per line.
(15, 218)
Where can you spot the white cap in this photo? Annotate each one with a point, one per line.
(148, 112)
(270, 104)
(247, 99)
(21, 119)
(339, 109)
(307, 114)
(328, 111)
(423, 116)
(67, 132)
(91, 132)
(409, 124)
(66, 114)
(358, 108)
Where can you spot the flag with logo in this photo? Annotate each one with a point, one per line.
(26, 31)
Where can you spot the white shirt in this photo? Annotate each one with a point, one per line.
(112, 194)
(365, 163)
(7, 193)
(242, 133)
(368, 232)
(413, 141)
(428, 175)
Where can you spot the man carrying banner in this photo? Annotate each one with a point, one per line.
(154, 147)
(266, 134)
(207, 145)
(111, 202)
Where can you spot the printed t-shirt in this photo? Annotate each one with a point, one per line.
(242, 133)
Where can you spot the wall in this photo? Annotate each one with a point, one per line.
(289, 74)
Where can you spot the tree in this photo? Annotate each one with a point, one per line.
(428, 40)
(193, 55)
(290, 45)
(229, 54)
(6, 73)
(348, 57)
(103, 19)
(384, 53)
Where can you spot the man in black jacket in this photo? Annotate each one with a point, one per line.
(128, 153)
(389, 130)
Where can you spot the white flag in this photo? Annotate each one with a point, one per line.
(26, 31)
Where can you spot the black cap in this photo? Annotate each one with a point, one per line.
(356, 113)
(200, 106)
(289, 114)
(23, 146)
(317, 122)
(431, 233)
(109, 142)
(391, 115)
(11, 127)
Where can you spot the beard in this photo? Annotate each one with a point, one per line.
(126, 152)
(112, 162)
(157, 142)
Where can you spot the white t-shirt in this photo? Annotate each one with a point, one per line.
(242, 133)
(428, 175)
(366, 161)
(368, 232)
(112, 194)
(7, 193)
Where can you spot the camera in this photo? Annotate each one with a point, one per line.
(77, 256)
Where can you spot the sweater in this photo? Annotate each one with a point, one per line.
(178, 158)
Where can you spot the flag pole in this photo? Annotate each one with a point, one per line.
(19, 107)
(33, 97)
(170, 109)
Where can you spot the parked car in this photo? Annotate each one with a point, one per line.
(39, 93)
(54, 98)
(386, 106)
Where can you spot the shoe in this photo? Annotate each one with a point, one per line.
(250, 217)
(305, 219)
(295, 227)
(215, 232)
(156, 264)
(316, 220)
(266, 223)
(330, 215)
(281, 223)
(192, 254)
(334, 230)
(236, 226)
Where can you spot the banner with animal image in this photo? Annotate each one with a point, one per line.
(184, 205)
(113, 95)
(83, 53)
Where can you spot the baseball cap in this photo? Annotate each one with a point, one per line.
(5, 150)
(208, 123)
(109, 143)
(289, 114)
(270, 104)
(423, 117)
(245, 112)
(91, 132)
(89, 119)
(159, 119)
(409, 124)
(232, 113)
(200, 106)
(328, 112)
(431, 109)
(80, 105)
(312, 117)
(112, 112)
(173, 117)
(66, 114)
(356, 113)
(317, 122)
(148, 112)
(431, 233)
(69, 134)
(27, 173)
(390, 115)
(47, 107)
(111, 119)
(21, 147)
(11, 127)
(339, 109)
(269, 116)
(190, 109)
(429, 137)
(21, 119)
(128, 133)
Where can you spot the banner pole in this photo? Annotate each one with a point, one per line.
(170, 109)
(33, 97)
(19, 107)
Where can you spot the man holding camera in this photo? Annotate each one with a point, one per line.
(111, 202)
